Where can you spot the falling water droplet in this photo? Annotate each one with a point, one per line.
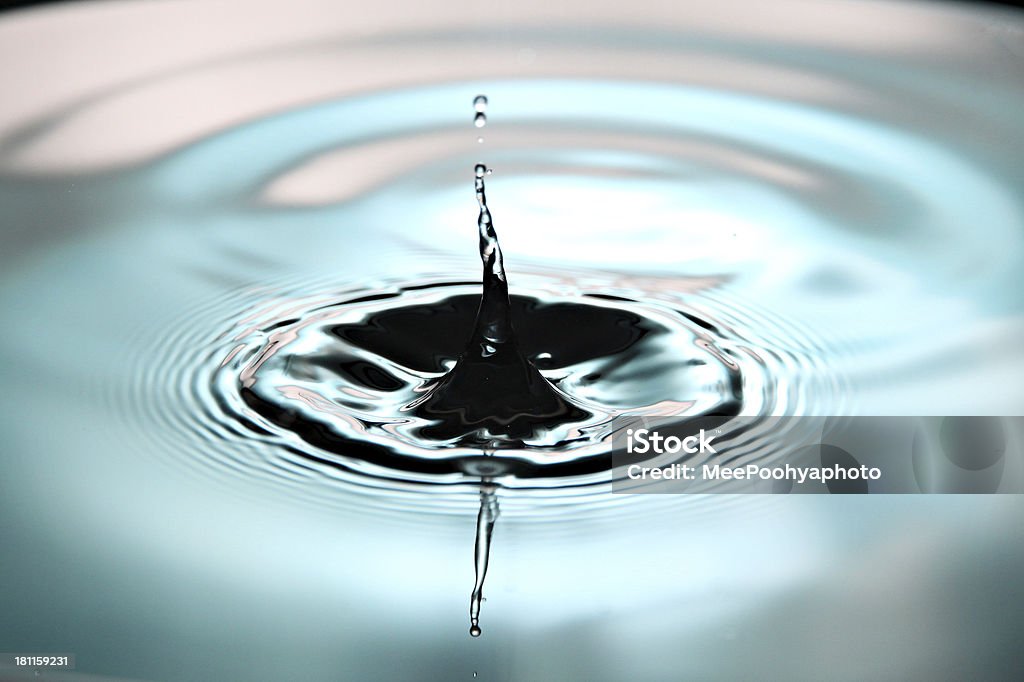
(480, 106)
(484, 530)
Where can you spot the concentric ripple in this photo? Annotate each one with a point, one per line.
(303, 382)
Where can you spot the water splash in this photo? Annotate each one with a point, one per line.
(494, 391)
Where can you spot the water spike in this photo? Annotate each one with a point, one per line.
(517, 401)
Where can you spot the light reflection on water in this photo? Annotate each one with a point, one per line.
(847, 202)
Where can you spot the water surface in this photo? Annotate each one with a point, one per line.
(818, 214)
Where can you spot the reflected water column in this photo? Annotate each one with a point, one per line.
(485, 519)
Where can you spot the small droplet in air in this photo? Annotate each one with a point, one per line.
(480, 140)
(480, 106)
(474, 631)
(480, 170)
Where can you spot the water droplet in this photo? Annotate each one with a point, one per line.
(474, 631)
(480, 105)
(480, 170)
(480, 140)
